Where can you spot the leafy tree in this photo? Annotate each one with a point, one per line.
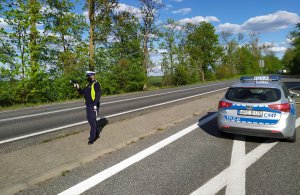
(63, 30)
(287, 59)
(228, 62)
(203, 48)
(17, 17)
(7, 52)
(126, 71)
(295, 37)
(272, 63)
(100, 14)
(35, 16)
(170, 35)
(246, 61)
(149, 10)
(255, 49)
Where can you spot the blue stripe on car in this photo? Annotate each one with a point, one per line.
(262, 108)
(293, 110)
(251, 120)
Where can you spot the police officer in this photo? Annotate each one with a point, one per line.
(92, 94)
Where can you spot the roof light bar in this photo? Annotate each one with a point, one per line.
(260, 78)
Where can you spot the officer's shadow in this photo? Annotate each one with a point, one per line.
(101, 123)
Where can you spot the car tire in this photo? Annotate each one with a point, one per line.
(292, 139)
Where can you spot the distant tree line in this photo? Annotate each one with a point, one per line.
(291, 58)
(45, 44)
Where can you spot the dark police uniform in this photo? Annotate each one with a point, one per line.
(92, 94)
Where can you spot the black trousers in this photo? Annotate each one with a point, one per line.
(91, 115)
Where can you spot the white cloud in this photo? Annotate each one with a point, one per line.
(159, 1)
(290, 40)
(133, 10)
(267, 44)
(173, 26)
(266, 23)
(168, 6)
(121, 8)
(48, 9)
(85, 14)
(278, 49)
(3, 24)
(227, 27)
(198, 19)
(275, 47)
(271, 22)
(182, 11)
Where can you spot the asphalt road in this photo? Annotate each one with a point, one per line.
(200, 160)
(57, 116)
(196, 161)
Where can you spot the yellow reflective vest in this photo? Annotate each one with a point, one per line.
(93, 94)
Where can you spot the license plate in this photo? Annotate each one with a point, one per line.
(250, 112)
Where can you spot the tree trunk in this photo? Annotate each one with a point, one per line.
(145, 45)
(202, 74)
(92, 36)
(33, 15)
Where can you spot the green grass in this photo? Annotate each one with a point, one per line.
(155, 81)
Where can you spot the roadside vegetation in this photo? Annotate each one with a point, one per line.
(45, 44)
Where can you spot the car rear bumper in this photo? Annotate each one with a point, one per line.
(253, 132)
(283, 129)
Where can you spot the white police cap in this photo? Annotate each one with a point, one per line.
(90, 73)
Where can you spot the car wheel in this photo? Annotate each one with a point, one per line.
(292, 139)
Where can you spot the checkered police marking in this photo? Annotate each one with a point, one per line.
(255, 107)
(251, 120)
(269, 116)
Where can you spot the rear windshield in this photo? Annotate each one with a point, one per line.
(253, 95)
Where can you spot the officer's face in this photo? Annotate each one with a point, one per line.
(90, 78)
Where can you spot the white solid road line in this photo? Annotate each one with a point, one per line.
(218, 182)
(113, 115)
(237, 179)
(42, 132)
(297, 122)
(39, 114)
(107, 173)
(235, 174)
(239, 163)
(158, 94)
(80, 107)
(164, 103)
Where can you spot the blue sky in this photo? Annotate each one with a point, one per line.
(271, 19)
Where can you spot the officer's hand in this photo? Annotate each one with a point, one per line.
(95, 107)
(76, 85)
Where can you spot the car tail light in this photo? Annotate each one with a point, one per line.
(275, 131)
(223, 104)
(281, 107)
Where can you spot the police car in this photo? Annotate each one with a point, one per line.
(258, 106)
